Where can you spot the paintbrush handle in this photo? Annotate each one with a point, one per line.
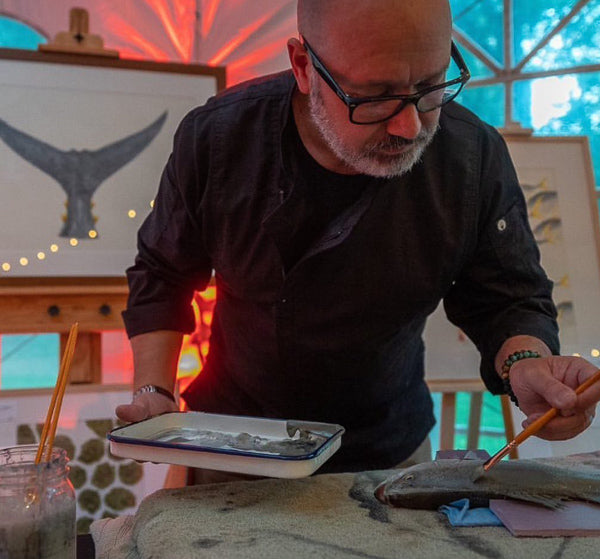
(586, 384)
(551, 413)
(535, 426)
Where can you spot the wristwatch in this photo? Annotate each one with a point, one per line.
(154, 388)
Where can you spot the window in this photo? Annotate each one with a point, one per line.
(533, 64)
(16, 34)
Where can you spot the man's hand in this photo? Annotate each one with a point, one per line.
(144, 406)
(155, 358)
(547, 382)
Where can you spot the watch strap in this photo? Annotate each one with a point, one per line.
(149, 388)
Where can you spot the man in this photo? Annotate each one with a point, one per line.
(335, 219)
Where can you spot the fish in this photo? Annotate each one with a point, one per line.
(431, 484)
(543, 204)
(548, 231)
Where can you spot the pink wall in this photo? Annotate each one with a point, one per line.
(246, 36)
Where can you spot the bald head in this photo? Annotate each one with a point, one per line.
(345, 22)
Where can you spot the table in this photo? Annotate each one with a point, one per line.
(330, 516)
(85, 547)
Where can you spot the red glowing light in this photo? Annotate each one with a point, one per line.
(208, 16)
(174, 21)
(195, 346)
(235, 42)
(145, 47)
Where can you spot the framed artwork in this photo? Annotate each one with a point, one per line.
(83, 141)
(556, 176)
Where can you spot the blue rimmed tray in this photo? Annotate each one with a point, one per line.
(249, 445)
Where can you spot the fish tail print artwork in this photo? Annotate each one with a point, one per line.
(543, 204)
(79, 172)
(545, 219)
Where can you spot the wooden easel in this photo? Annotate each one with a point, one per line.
(78, 39)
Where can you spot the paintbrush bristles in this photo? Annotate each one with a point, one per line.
(498, 456)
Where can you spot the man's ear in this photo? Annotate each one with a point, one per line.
(300, 62)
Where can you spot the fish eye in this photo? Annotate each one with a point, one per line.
(408, 477)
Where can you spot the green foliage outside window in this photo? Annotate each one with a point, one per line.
(564, 104)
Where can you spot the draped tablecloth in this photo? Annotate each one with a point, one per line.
(330, 516)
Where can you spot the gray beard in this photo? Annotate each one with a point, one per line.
(372, 159)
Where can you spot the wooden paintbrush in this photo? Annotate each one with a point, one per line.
(535, 426)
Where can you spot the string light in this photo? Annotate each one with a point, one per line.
(54, 247)
(595, 353)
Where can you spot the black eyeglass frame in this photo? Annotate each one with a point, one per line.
(353, 102)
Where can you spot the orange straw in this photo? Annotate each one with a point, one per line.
(51, 422)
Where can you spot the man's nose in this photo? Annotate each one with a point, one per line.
(406, 124)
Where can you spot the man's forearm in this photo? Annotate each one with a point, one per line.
(155, 358)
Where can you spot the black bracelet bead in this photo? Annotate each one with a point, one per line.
(508, 363)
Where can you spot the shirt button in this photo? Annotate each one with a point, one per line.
(501, 225)
(284, 300)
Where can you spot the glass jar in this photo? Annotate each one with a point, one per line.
(37, 505)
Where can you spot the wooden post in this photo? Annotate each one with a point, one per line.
(448, 420)
(474, 420)
(86, 367)
(508, 424)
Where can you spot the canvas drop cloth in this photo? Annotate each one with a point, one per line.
(331, 516)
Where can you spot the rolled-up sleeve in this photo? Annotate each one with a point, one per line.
(172, 261)
(503, 290)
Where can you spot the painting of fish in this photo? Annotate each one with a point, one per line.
(432, 484)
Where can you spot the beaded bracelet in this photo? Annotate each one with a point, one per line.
(505, 374)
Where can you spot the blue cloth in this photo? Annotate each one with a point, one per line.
(459, 513)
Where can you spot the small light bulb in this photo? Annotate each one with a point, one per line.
(53, 248)
(131, 213)
(73, 242)
(92, 233)
(41, 255)
(595, 353)
(151, 203)
(6, 267)
(23, 261)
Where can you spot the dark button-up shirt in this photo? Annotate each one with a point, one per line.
(336, 336)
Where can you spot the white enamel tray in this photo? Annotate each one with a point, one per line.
(249, 445)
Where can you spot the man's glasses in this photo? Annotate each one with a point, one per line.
(371, 110)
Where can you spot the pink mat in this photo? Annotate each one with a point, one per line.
(524, 519)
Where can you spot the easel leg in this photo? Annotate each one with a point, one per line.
(508, 424)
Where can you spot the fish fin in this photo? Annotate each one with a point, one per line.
(547, 501)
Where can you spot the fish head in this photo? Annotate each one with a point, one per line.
(429, 484)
